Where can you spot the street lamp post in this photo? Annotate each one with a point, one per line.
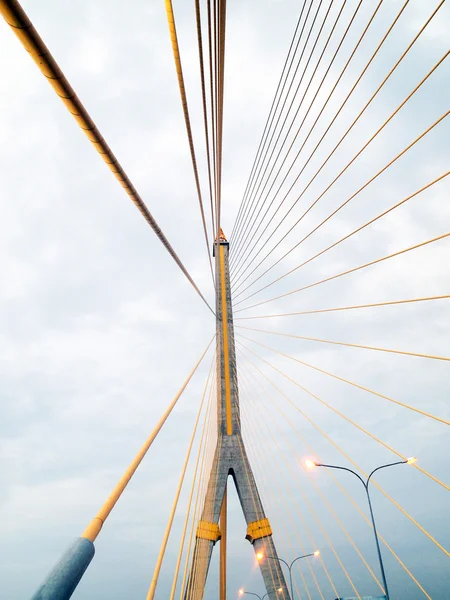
(311, 464)
(260, 556)
(242, 592)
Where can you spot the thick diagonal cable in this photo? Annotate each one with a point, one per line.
(355, 231)
(268, 124)
(307, 112)
(352, 383)
(341, 140)
(21, 25)
(162, 551)
(196, 474)
(204, 105)
(329, 507)
(335, 481)
(176, 55)
(246, 231)
(349, 271)
(237, 241)
(93, 529)
(359, 427)
(344, 308)
(317, 119)
(326, 436)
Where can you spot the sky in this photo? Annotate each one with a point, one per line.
(99, 328)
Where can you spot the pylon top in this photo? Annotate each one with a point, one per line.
(222, 237)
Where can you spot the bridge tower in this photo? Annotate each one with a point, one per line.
(230, 459)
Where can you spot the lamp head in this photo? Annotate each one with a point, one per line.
(279, 590)
(310, 464)
(411, 460)
(316, 553)
(241, 592)
(259, 555)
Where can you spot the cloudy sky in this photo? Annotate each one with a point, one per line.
(98, 327)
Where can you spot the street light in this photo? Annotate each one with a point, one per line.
(260, 556)
(310, 464)
(242, 592)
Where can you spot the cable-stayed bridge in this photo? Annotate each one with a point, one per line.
(324, 301)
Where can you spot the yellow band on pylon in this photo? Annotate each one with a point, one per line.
(208, 531)
(258, 529)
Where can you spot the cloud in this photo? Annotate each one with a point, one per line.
(98, 328)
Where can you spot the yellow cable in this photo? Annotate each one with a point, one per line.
(272, 499)
(243, 454)
(93, 529)
(191, 493)
(194, 520)
(162, 551)
(357, 466)
(205, 111)
(342, 489)
(349, 271)
(327, 504)
(203, 500)
(22, 27)
(347, 131)
(178, 67)
(357, 385)
(350, 539)
(274, 479)
(358, 229)
(337, 412)
(312, 339)
(340, 308)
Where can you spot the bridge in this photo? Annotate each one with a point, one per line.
(314, 311)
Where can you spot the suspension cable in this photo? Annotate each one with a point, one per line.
(352, 383)
(162, 551)
(326, 436)
(176, 55)
(254, 191)
(329, 507)
(349, 271)
(197, 472)
(334, 342)
(93, 529)
(355, 231)
(333, 478)
(330, 35)
(205, 110)
(21, 25)
(341, 308)
(343, 416)
(268, 124)
(350, 128)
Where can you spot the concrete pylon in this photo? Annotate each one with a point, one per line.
(231, 458)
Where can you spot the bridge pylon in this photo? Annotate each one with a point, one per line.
(230, 458)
